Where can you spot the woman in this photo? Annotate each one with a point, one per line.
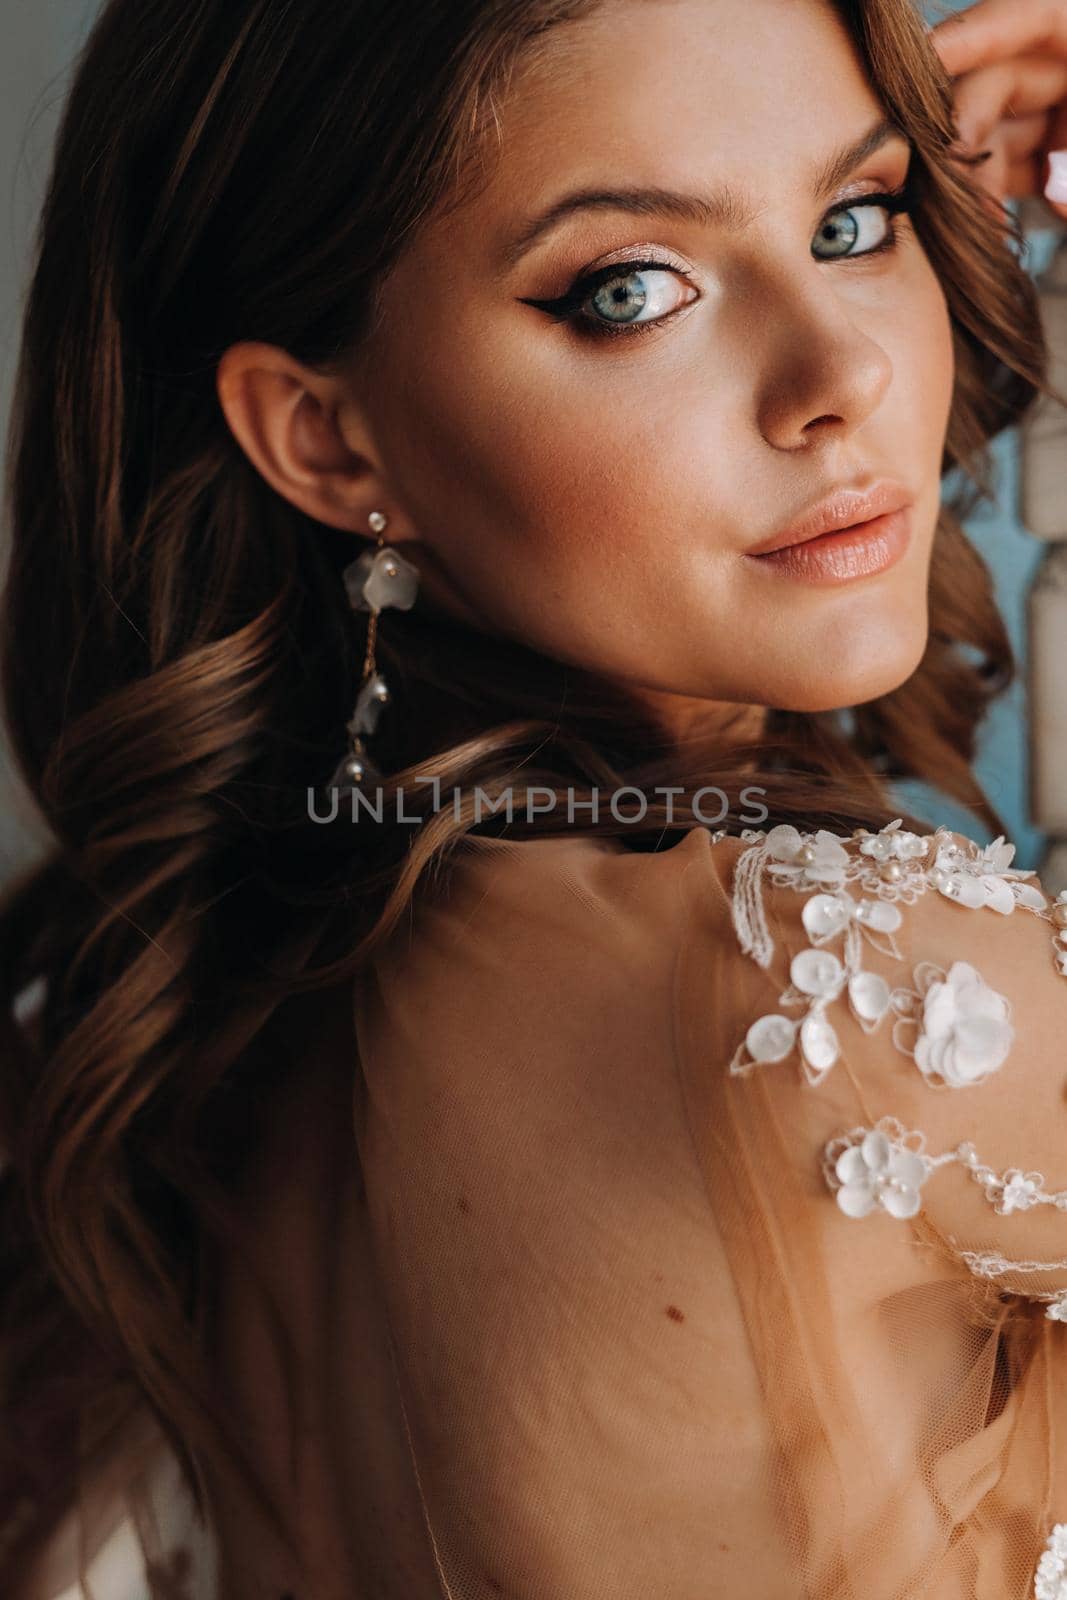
(659, 1192)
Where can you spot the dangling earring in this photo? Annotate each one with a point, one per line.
(375, 580)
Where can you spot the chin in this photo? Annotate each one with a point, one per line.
(837, 685)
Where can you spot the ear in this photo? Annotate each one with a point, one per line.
(307, 435)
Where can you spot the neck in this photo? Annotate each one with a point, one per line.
(687, 720)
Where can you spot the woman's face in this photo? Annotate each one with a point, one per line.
(598, 493)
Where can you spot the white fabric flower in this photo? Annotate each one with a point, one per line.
(1050, 1582)
(893, 843)
(997, 859)
(966, 1028)
(771, 1038)
(826, 916)
(1060, 951)
(817, 973)
(818, 859)
(986, 879)
(998, 856)
(1019, 1193)
(1057, 1310)
(878, 1173)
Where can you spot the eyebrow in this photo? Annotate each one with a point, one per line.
(721, 208)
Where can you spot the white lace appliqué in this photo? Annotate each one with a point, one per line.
(964, 1026)
(1050, 1581)
(990, 1264)
(1059, 918)
(954, 1025)
(885, 1167)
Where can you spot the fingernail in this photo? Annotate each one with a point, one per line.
(1056, 187)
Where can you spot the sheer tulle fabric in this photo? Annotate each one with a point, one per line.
(562, 1308)
(641, 1350)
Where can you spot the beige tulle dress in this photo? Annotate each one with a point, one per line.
(701, 1231)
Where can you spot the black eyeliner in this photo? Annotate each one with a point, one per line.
(568, 306)
(565, 305)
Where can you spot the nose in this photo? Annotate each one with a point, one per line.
(824, 374)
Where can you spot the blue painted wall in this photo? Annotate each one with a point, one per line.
(1014, 556)
(1003, 764)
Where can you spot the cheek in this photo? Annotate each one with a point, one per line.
(942, 372)
(929, 357)
(531, 490)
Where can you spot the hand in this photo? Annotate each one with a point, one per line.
(1009, 62)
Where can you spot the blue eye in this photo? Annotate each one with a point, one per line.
(842, 228)
(627, 296)
(637, 294)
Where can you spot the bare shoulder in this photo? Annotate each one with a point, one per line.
(549, 961)
(586, 869)
(547, 898)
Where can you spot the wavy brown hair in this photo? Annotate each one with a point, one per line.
(179, 659)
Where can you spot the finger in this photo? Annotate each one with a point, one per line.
(1057, 135)
(1018, 88)
(995, 29)
(1016, 163)
(1023, 137)
(993, 175)
(1056, 199)
(1018, 137)
(1054, 174)
(1023, 178)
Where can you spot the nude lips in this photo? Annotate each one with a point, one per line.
(860, 551)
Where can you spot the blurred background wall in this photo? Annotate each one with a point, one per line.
(1015, 556)
(38, 40)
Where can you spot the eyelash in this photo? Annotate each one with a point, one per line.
(569, 307)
